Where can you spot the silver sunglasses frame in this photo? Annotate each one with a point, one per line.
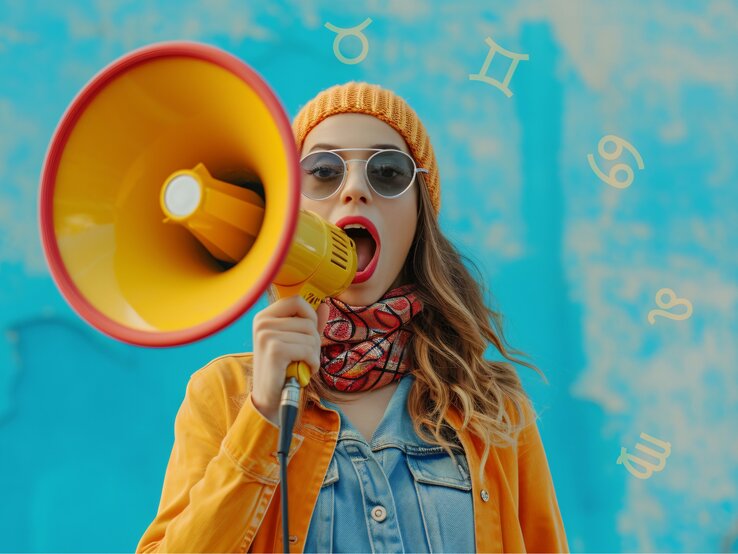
(366, 174)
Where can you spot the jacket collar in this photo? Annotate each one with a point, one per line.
(395, 427)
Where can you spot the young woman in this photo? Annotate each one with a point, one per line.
(407, 439)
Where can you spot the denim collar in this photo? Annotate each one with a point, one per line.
(394, 429)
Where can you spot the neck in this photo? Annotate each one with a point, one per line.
(376, 394)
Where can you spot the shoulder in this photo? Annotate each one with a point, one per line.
(225, 379)
(523, 418)
(226, 368)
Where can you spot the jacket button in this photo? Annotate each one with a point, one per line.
(485, 495)
(293, 539)
(379, 513)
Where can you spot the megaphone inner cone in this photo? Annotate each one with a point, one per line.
(120, 260)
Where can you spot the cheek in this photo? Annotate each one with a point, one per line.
(402, 233)
(313, 206)
(404, 221)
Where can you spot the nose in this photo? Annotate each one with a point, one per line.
(355, 186)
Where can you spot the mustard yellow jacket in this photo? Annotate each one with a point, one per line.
(221, 487)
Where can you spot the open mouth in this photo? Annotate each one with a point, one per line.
(362, 231)
(366, 247)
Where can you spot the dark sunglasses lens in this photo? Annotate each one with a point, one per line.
(390, 173)
(322, 173)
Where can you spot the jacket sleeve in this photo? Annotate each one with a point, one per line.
(540, 519)
(218, 483)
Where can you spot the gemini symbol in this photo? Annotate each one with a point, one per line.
(482, 75)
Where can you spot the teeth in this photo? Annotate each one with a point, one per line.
(354, 226)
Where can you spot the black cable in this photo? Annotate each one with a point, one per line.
(285, 510)
(287, 416)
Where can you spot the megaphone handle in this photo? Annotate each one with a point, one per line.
(300, 371)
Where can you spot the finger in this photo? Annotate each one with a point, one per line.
(292, 306)
(289, 325)
(302, 353)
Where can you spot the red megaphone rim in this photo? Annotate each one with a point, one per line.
(59, 273)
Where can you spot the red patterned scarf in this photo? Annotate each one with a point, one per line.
(363, 347)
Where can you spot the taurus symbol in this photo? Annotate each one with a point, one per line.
(343, 33)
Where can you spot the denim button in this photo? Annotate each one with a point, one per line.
(379, 513)
(485, 495)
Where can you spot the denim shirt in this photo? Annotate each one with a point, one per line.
(396, 494)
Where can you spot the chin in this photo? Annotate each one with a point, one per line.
(369, 291)
(362, 294)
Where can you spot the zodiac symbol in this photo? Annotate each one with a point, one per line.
(493, 49)
(626, 458)
(343, 33)
(611, 179)
(674, 301)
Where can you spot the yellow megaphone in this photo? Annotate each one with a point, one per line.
(170, 200)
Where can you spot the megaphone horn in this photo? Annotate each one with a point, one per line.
(170, 199)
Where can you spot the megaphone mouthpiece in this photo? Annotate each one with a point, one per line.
(225, 218)
(182, 196)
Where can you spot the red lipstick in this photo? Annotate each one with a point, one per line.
(368, 271)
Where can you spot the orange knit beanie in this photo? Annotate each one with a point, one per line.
(384, 104)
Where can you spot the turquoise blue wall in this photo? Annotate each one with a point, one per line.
(574, 264)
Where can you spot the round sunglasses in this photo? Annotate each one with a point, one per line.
(389, 172)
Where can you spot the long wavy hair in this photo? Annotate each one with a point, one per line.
(447, 347)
